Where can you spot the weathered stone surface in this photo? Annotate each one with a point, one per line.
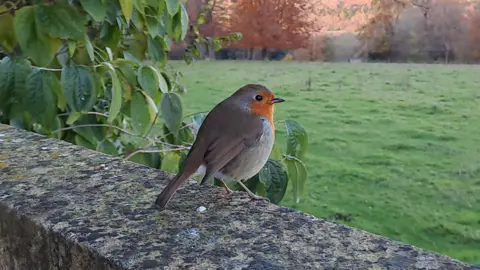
(65, 207)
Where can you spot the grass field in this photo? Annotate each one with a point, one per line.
(394, 149)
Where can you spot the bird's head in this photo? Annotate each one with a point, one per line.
(257, 99)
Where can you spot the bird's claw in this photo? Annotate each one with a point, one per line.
(228, 191)
(259, 198)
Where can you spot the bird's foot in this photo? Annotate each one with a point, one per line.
(227, 189)
(254, 197)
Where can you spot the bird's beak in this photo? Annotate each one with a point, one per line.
(277, 100)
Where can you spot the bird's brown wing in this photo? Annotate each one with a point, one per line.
(228, 138)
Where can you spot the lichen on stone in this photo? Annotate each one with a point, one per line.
(66, 207)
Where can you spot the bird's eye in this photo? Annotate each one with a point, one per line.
(258, 97)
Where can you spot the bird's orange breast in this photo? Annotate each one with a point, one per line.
(265, 110)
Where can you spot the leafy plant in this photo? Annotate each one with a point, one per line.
(95, 73)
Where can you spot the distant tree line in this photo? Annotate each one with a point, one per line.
(386, 30)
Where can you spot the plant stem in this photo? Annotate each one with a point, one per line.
(153, 151)
(97, 125)
(95, 113)
(149, 130)
(55, 69)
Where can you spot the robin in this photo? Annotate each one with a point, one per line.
(233, 142)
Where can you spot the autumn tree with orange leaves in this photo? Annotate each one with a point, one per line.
(377, 32)
(271, 24)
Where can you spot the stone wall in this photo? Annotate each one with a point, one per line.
(66, 207)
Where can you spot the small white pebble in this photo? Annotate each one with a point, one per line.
(44, 148)
(201, 209)
(2, 135)
(17, 140)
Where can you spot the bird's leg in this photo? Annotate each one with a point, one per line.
(253, 196)
(227, 189)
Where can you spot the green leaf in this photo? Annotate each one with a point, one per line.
(57, 124)
(151, 104)
(275, 180)
(297, 139)
(107, 147)
(130, 57)
(40, 99)
(38, 46)
(185, 134)
(19, 118)
(168, 137)
(139, 5)
(155, 4)
(113, 8)
(153, 25)
(57, 88)
(79, 140)
(171, 107)
(111, 35)
(79, 87)
(148, 159)
(89, 47)
(62, 55)
(72, 46)
(13, 74)
(180, 20)
(167, 25)
(183, 156)
(137, 46)
(127, 8)
(7, 74)
(60, 20)
(160, 7)
(116, 103)
(93, 134)
(148, 79)
(95, 8)
(172, 6)
(170, 162)
(141, 112)
(163, 82)
(167, 80)
(126, 68)
(297, 173)
(73, 117)
(276, 154)
(156, 50)
(7, 34)
(138, 20)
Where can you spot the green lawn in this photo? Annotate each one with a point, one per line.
(394, 149)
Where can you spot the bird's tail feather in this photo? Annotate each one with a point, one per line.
(167, 193)
(192, 163)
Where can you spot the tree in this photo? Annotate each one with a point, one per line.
(202, 11)
(279, 24)
(474, 34)
(96, 74)
(447, 26)
(378, 31)
(426, 28)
